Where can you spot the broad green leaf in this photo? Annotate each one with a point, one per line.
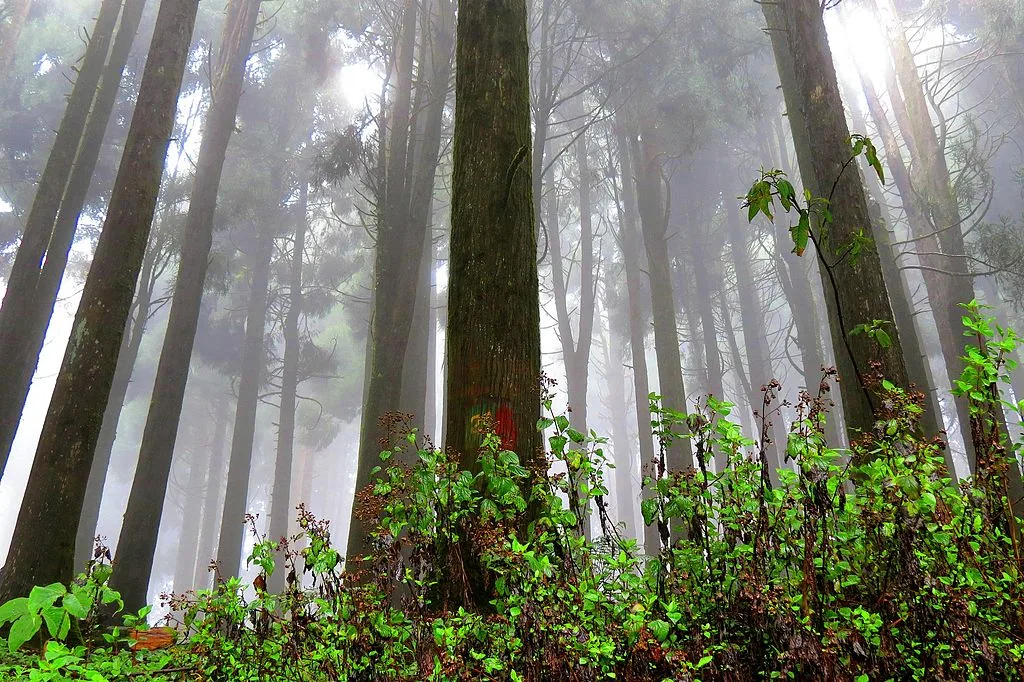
(74, 606)
(13, 609)
(23, 629)
(45, 596)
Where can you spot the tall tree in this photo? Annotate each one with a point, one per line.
(855, 291)
(56, 487)
(493, 333)
(629, 243)
(16, 338)
(279, 511)
(654, 216)
(403, 254)
(145, 502)
(243, 435)
(12, 21)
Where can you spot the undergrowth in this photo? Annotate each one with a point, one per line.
(860, 564)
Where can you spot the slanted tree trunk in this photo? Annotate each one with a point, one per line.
(855, 291)
(232, 520)
(18, 338)
(941, 241)
(280, 509)
(126, 357)
(56, 487)
(493, 334)
(66, 225)
(145, 503)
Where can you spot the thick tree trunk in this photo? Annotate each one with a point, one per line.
(638, 319)
(232, 520)
(126, 357)
(280, 509)
(56, 487)
(75, 195)
(493, 334)
(17, 339)
(145, 503)
(854, 288)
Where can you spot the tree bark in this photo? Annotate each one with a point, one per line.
(638, 319)
(855, 291)
(126, 357)
(493, 334)
(755, 343)
(232, 528)
(20, 300)
(145, 503)
(654, 226)
(280, 509)
(56, 487)
(212, 499)
(402, 246)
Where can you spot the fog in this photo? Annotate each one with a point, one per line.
(324, 303)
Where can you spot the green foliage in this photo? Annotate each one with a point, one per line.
(63, 623)
(867, 564)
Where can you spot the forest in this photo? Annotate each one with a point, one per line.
(525, 340)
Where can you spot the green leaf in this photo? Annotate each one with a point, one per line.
(649, 508)
(13, 609)
(659, 629)
(23, 629)
(703, 662)
(575, 436)
(561, 422)
(53, 615)
(801, 233)
(45, 596)
(74, 606)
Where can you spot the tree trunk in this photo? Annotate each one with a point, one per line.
(15, 13)
(638, 320)
(941, 245)
(493, 334)
(618, 403)
(229, 546)
(398, 255)
(212, 499)
(126, 357)
(188, 536)
(755, 342)
(280, 509)
(56, 487)
(17, 339)
(145, 503)
(854, 288)
(654, 223)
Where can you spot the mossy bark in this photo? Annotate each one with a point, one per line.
(56, 487)
(493, 335)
